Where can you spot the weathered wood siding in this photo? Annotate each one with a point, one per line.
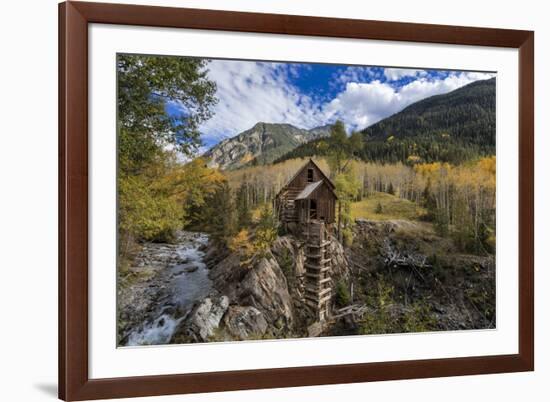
(300, 181)
(290, 210)
(325, 205)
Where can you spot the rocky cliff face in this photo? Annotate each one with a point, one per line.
(256, 298)
(261, 144)
(258, 294)
(289, 253)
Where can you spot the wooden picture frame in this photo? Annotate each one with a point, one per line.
(74, 381)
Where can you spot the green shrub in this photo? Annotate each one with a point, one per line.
(286, 262)
(347, 236)
(380, 320)
(418, 319)
(343, 296)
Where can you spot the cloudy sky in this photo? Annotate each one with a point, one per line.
(311, 95)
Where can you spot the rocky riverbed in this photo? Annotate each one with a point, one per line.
(160, 288)
(196, 291)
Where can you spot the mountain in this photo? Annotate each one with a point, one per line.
(261, 144)
(468, 112)
(453, 127)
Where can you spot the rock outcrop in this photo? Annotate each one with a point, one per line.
(339, 267)
(289, 253)
(260, 284)
(262, 143)
(204, 319)
(245, 322)
(263, 295)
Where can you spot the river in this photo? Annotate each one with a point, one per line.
(182, 285)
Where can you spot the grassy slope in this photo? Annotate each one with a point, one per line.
(392, 208)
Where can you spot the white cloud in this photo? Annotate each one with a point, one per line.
(363, 104)
(394, 74)
(250, 92)
(358, 74)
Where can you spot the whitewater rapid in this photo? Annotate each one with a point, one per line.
(187, 284)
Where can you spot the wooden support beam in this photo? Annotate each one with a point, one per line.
(316, 267)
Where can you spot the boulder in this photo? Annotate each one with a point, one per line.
(265, 287)
(244, 322)
(204, 319)
(260, 284)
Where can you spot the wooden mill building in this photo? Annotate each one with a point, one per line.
(306, 205)
(309, 195)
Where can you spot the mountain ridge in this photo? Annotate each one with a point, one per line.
(453, 127)
(261, 144)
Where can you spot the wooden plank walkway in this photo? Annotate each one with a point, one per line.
(356, 310)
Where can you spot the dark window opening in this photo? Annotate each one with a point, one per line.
(310, 175)
(312, 209)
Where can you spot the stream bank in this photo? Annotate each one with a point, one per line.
(160, 289)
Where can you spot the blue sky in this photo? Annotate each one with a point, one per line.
(311, 95)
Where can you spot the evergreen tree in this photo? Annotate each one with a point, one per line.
(454, 127)
(219, 214)
(342, 150)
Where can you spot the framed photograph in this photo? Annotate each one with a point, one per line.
(260, 200)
